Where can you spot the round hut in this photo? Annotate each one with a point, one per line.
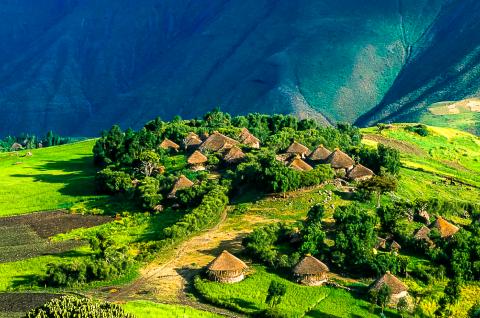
(397, 288)
(297, 148)
(248, 139)
(197, 161)
(340, 161)
(360, 173)
(226, 268)
(320, 154)
(311, 272)
(167, 144)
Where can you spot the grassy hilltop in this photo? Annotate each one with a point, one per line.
(444, 163)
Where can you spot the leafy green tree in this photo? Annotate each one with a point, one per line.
(149, 162)
(148, 192)
(378, 185)
(403, 306)
(389, 158)
(474, 311)
(113, 182)
(355, 237)
(382, 296)
(275, 293)
(453, 291)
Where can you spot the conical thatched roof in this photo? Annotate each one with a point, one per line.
(391, 281)
(181, 183)
(300, 165)
(247, 138)
(395, 246)
(298, 149)
(445, 228)
(227, 262)
(168, 144)
(320, 154)
(192, 140)
(359, 172)
(284, 157)
(233, 155)
(217, 141)
(197, 158)
(422, 233)
(340, 160)
(380, 243)
(16, 146)
(309, 265)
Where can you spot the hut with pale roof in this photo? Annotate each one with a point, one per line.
(217, 142)
(320, 154)
(340, 161)
(311, 272)
(248, 139)
(445, 228)
(398, 289)
(167, 144)
(300, 165)
(181, 183)
(192, 141)
(16, 147)
(360, 173)
(297, 148)
(226, 268)
(197, 161)
(234, 155)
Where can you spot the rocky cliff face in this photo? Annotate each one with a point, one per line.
(79, 66)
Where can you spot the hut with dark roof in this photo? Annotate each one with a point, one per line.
(445, 228)
(320, 154)
(181, 183)
(192, 141)
(248, 139)
(297, 148)
(311, 272)
(300, 165)
(360, 173)
(167, 144)
(226, 268)
(233, 155)
(380, 243)
(217, 142)
(340, 161)
(395, 247)
(284, 157)
(398, 289)
(197, 161)
(423, 235)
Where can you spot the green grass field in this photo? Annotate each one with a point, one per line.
(249, 296)
(146, 309)
(54, 177)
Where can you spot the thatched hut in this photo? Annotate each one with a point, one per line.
(300, 165)
(226, 268)
(445, 228)
(423, 234)
(192, 141)
(360, 173)
(217, 142)
(284, 157)
(397, 288)
(16, 147)
(320, 154)
(297, 148)
(311, 272)
(181, 183)
(395, 247)
(248, 139)
(197, 161)
(234, 155)
(167, 144)
(380, 243)
(340, 161)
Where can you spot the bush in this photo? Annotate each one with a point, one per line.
(109, 181)
(74, 307)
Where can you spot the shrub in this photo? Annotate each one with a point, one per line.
(74, 307)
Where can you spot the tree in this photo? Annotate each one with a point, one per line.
(148, 192)
(275, 293)
(355, 237)
(453, 291)
(379, 185)
(403, 306)
(389, 158)
(474, 311)
(72, 306)
(149, 162)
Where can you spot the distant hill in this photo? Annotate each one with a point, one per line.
(79, 66)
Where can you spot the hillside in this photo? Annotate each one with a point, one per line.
(79, 66)
(171, 247)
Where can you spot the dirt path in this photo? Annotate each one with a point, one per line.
(168, 282)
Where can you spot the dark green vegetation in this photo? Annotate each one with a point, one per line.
(76, 67)
(74, 307)
(25, 141)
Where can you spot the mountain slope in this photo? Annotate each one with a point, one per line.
(80, 66)
(444, 65)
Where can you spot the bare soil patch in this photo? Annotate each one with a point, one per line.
(27, 236)
(23, 302)
(397, 144)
